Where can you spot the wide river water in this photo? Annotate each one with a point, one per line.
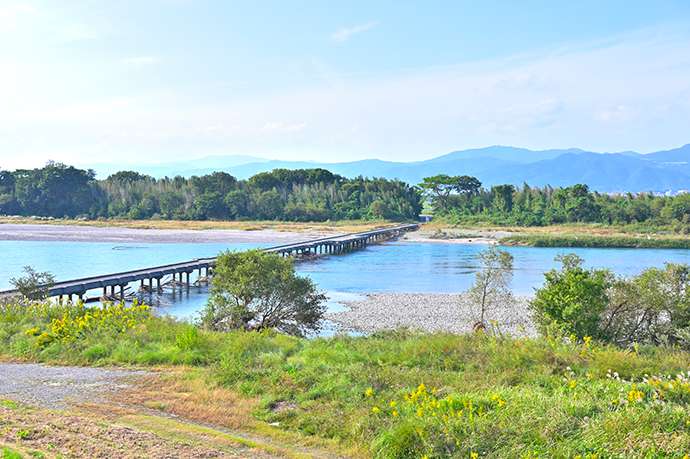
(415, 267)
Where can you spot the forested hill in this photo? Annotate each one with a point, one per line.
(615, 172)
(58, 190)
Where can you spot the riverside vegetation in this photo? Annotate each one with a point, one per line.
(607, 378)
(317, 195)
(562, 217)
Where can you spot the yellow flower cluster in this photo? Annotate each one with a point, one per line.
(115, 318)
(654, 390)
(448, 417)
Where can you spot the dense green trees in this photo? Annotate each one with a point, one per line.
(526, 206)
(57, 190)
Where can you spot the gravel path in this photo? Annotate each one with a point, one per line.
(58, 387)
(452, 313)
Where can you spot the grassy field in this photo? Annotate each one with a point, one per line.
(343, 226)
(396, 394)
(573, 235)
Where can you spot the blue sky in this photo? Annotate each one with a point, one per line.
(89, 81)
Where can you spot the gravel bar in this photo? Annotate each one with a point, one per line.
(75, 233)
(430, 312)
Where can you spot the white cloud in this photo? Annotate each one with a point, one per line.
(280, 126)
(345, 33)
(617, 113)
(633, 93)
(12, 13)
(141, 60)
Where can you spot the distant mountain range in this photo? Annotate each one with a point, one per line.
(607, 172)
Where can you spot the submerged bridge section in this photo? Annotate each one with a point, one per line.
(111, 283)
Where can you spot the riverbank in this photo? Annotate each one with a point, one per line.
(568, 236)
(392, 394)
(427, 312)
(118, 234)
(342, 226)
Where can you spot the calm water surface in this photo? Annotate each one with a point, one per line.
(390, 267)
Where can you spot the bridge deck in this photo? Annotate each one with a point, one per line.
(333, 244)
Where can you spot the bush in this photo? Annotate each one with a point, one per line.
(573, 299)
(255, 290)
(33, 285)
(652, 308)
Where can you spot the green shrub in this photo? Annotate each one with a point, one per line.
(10, 454)
(572, 299)
(651, 308)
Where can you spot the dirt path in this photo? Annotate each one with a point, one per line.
(48, 411)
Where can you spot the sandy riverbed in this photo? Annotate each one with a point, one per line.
(37, 232)
(456, 236)
(429, 312)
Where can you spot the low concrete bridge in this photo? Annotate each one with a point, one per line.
(110, 283)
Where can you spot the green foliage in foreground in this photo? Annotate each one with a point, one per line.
(498, 397)
(6, 453)
(580, 240)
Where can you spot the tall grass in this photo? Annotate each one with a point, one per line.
(601, 241)
(484, 395)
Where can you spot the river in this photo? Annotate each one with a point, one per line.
(415, 267)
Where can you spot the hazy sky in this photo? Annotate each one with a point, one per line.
(86, 81)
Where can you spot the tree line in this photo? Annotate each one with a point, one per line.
(463, 199)
(58, 190)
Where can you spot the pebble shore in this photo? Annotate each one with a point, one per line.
(430, 312)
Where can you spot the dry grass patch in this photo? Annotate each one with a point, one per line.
(62, 434)
(185, 394)
(190, 394)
